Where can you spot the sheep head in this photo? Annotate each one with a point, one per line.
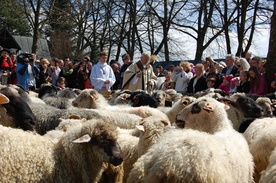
(103, 138)
(204, 114)
(86, 99)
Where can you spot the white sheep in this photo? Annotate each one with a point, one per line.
(90, 99)
(151, 128)
(261, 139)
(122, 99)
(70, 93)
(266, 105)
(171, 112)
(173, 95)
(76, 157)
(116, 95)
(190, 155)
(64, 126)
(269, 174)
(160, 96)
(48, 117)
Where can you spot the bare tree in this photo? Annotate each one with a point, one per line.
(201, 23)
(37, 13)
(226, 12)
(164, 13)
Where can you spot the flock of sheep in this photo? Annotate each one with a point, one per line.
(134, 137)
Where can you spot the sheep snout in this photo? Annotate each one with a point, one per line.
(180, 123)
(117, 156)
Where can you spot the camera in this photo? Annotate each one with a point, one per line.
(24, 57)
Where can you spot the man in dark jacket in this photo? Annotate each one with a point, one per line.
(231, 68)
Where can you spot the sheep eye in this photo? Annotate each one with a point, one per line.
(195, 109)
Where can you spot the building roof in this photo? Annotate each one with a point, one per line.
(7, 40)
(26, 46)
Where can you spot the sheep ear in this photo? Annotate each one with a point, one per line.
(83, 139)
(74, 116)
(4, 99)
(94, 94)
(165, 122)
(226, 107)
(208, 107)
(140, 127)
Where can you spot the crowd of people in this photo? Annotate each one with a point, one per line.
(236, 74)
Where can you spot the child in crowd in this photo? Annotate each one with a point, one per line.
(167, 84)
(225, 85)
(243, 86)
(233, 85)
(210, 84)
(61, 83)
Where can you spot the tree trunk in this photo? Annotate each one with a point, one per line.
(36, 38)
(271, 56)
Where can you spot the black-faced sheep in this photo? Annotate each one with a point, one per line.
(76, 157)
(241, 107)
(195, 152)
(19, 112)
(142, 99)
(48, 93)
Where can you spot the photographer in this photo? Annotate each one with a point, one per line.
(26, 71)
(181, 76)
(83, 72)
(6, 66)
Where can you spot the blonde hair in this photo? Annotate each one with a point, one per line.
(44, 61)
(185, 64)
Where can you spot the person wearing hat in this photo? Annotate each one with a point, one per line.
(140, 75)
(225, 85)
(6, 66)
(102, 77)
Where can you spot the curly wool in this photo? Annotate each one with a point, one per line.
(38, 159)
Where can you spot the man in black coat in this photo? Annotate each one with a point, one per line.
(231, 68)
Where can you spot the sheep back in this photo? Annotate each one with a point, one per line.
(192, 157)
(261, 139)
(76, 157)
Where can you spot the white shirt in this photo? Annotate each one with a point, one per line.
(99, 74)
(31, 76)
(181, 80)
